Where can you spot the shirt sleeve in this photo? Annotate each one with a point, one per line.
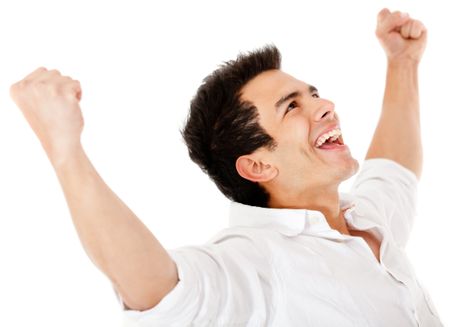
(387, 193)
(217, 284)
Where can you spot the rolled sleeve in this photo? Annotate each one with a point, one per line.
(217, 285)
(387, 192)
(176, 308)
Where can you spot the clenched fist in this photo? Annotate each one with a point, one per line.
(50, 104)
(402, 37)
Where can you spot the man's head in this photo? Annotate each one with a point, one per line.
(257, 152)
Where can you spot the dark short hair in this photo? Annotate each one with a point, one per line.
(221, 127)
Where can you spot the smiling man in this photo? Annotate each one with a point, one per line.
(297, 252)
(310, 159)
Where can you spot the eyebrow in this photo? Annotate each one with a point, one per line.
(292, 95)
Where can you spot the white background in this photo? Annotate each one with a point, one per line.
(139, 64)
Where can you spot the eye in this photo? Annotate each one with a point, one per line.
(292, 105)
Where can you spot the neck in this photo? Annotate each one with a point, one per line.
(324, 200)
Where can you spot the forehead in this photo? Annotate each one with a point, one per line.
(267, 87)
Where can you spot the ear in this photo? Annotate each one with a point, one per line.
(254, 170)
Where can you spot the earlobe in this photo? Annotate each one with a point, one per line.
(254, 170)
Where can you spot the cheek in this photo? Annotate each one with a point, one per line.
(293, 137)
(299, 136)
(295, 148)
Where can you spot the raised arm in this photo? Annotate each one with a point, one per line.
(397, 135)
(116, 241)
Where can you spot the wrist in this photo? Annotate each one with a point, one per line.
(63, 154)
(403, 63)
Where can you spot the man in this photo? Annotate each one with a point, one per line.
(297, 252)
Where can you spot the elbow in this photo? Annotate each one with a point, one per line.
(141, 295)
(148, 298)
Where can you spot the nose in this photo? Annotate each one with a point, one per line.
(325, 112)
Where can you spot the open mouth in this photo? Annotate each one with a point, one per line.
(330, 144)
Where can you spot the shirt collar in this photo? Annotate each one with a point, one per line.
(289, 222)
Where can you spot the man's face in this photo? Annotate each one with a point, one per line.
(295, 125)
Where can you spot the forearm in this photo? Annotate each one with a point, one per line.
(398, 135)
(116, 241)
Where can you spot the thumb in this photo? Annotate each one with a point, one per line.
(73, 89)
(76, 89)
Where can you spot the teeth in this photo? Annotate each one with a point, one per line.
(334, 134)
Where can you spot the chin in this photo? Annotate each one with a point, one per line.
(352, 169)
(347, 170)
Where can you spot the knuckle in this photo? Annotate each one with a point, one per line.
(24, 82)
(18, 86)
(68, 80)
(13, 89)
(383, 12)
(54, 72)
(18, 89)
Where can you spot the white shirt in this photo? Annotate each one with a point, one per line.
(287, 267)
